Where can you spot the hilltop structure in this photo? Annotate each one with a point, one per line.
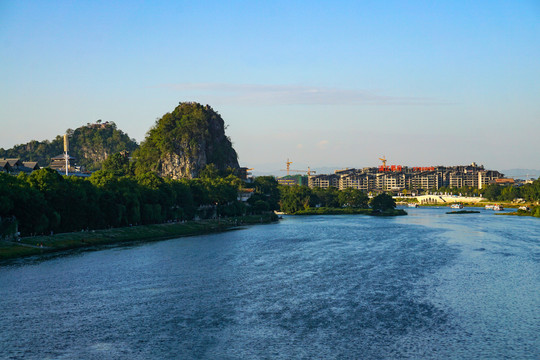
(58, 163)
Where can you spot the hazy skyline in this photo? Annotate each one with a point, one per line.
(327, 84)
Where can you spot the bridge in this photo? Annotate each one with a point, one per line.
(443, 199)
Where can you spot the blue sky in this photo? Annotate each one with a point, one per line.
(335, 84)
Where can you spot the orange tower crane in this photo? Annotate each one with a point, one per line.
(383, 159)
(308, 171)
(288, 167)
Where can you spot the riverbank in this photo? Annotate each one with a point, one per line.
(350, 211)
(37, 245)
(535, 212)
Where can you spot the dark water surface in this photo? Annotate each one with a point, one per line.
(428, 285)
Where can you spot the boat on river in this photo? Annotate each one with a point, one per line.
(412, 205)
(456, 206)
(498, 208)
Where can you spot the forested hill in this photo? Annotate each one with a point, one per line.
(184, 141)
(90, 145)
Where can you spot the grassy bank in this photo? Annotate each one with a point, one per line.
(535, 212)
(60, 242)
(350, 211)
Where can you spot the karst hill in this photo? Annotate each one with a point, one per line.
(184, 141)
(89, 144)
(179, 145)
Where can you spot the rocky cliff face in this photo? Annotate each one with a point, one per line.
(182, 165)
(184, 141)
(92, 154)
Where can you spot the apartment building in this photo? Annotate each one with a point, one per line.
(324, 181)
(396, 178)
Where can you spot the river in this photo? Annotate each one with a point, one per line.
(427, 285)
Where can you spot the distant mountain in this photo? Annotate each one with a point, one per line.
(524, 174)
(90, 145)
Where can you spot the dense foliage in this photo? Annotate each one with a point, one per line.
(89, 144)
(266, 194)
(528, 192)
(382, 203)
(294, 199)
(495, 192)
(46, 201)
(464, 190)
(93, 143)
(193, 132)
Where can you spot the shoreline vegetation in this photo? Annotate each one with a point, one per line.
(463, 212)
(350, 211)
(46, 244)
(522, 213)
(534, 208)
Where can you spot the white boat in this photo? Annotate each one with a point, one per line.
(489, 207)
(456, 206)
(498, 208)
(412, 205)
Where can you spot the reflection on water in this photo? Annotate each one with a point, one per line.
(422, 286)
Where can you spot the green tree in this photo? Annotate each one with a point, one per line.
(328, 197)
(184, 205)
(267, 190)
(119, 164)
(295, 198)
(531, 192)
(355, 198)
(210, 171)
(492, 192)
(509, 193)
(26, 203)
(383, 202)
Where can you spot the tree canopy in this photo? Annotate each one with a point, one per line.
(383, 202)
(46, 201)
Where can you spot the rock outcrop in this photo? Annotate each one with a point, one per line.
(184, 141)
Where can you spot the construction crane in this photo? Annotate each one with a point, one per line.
(383, 159)
(288, 166)
(288, 170)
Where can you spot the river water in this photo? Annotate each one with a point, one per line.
(427, 285)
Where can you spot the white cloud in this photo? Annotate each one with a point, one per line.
(322, 144)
